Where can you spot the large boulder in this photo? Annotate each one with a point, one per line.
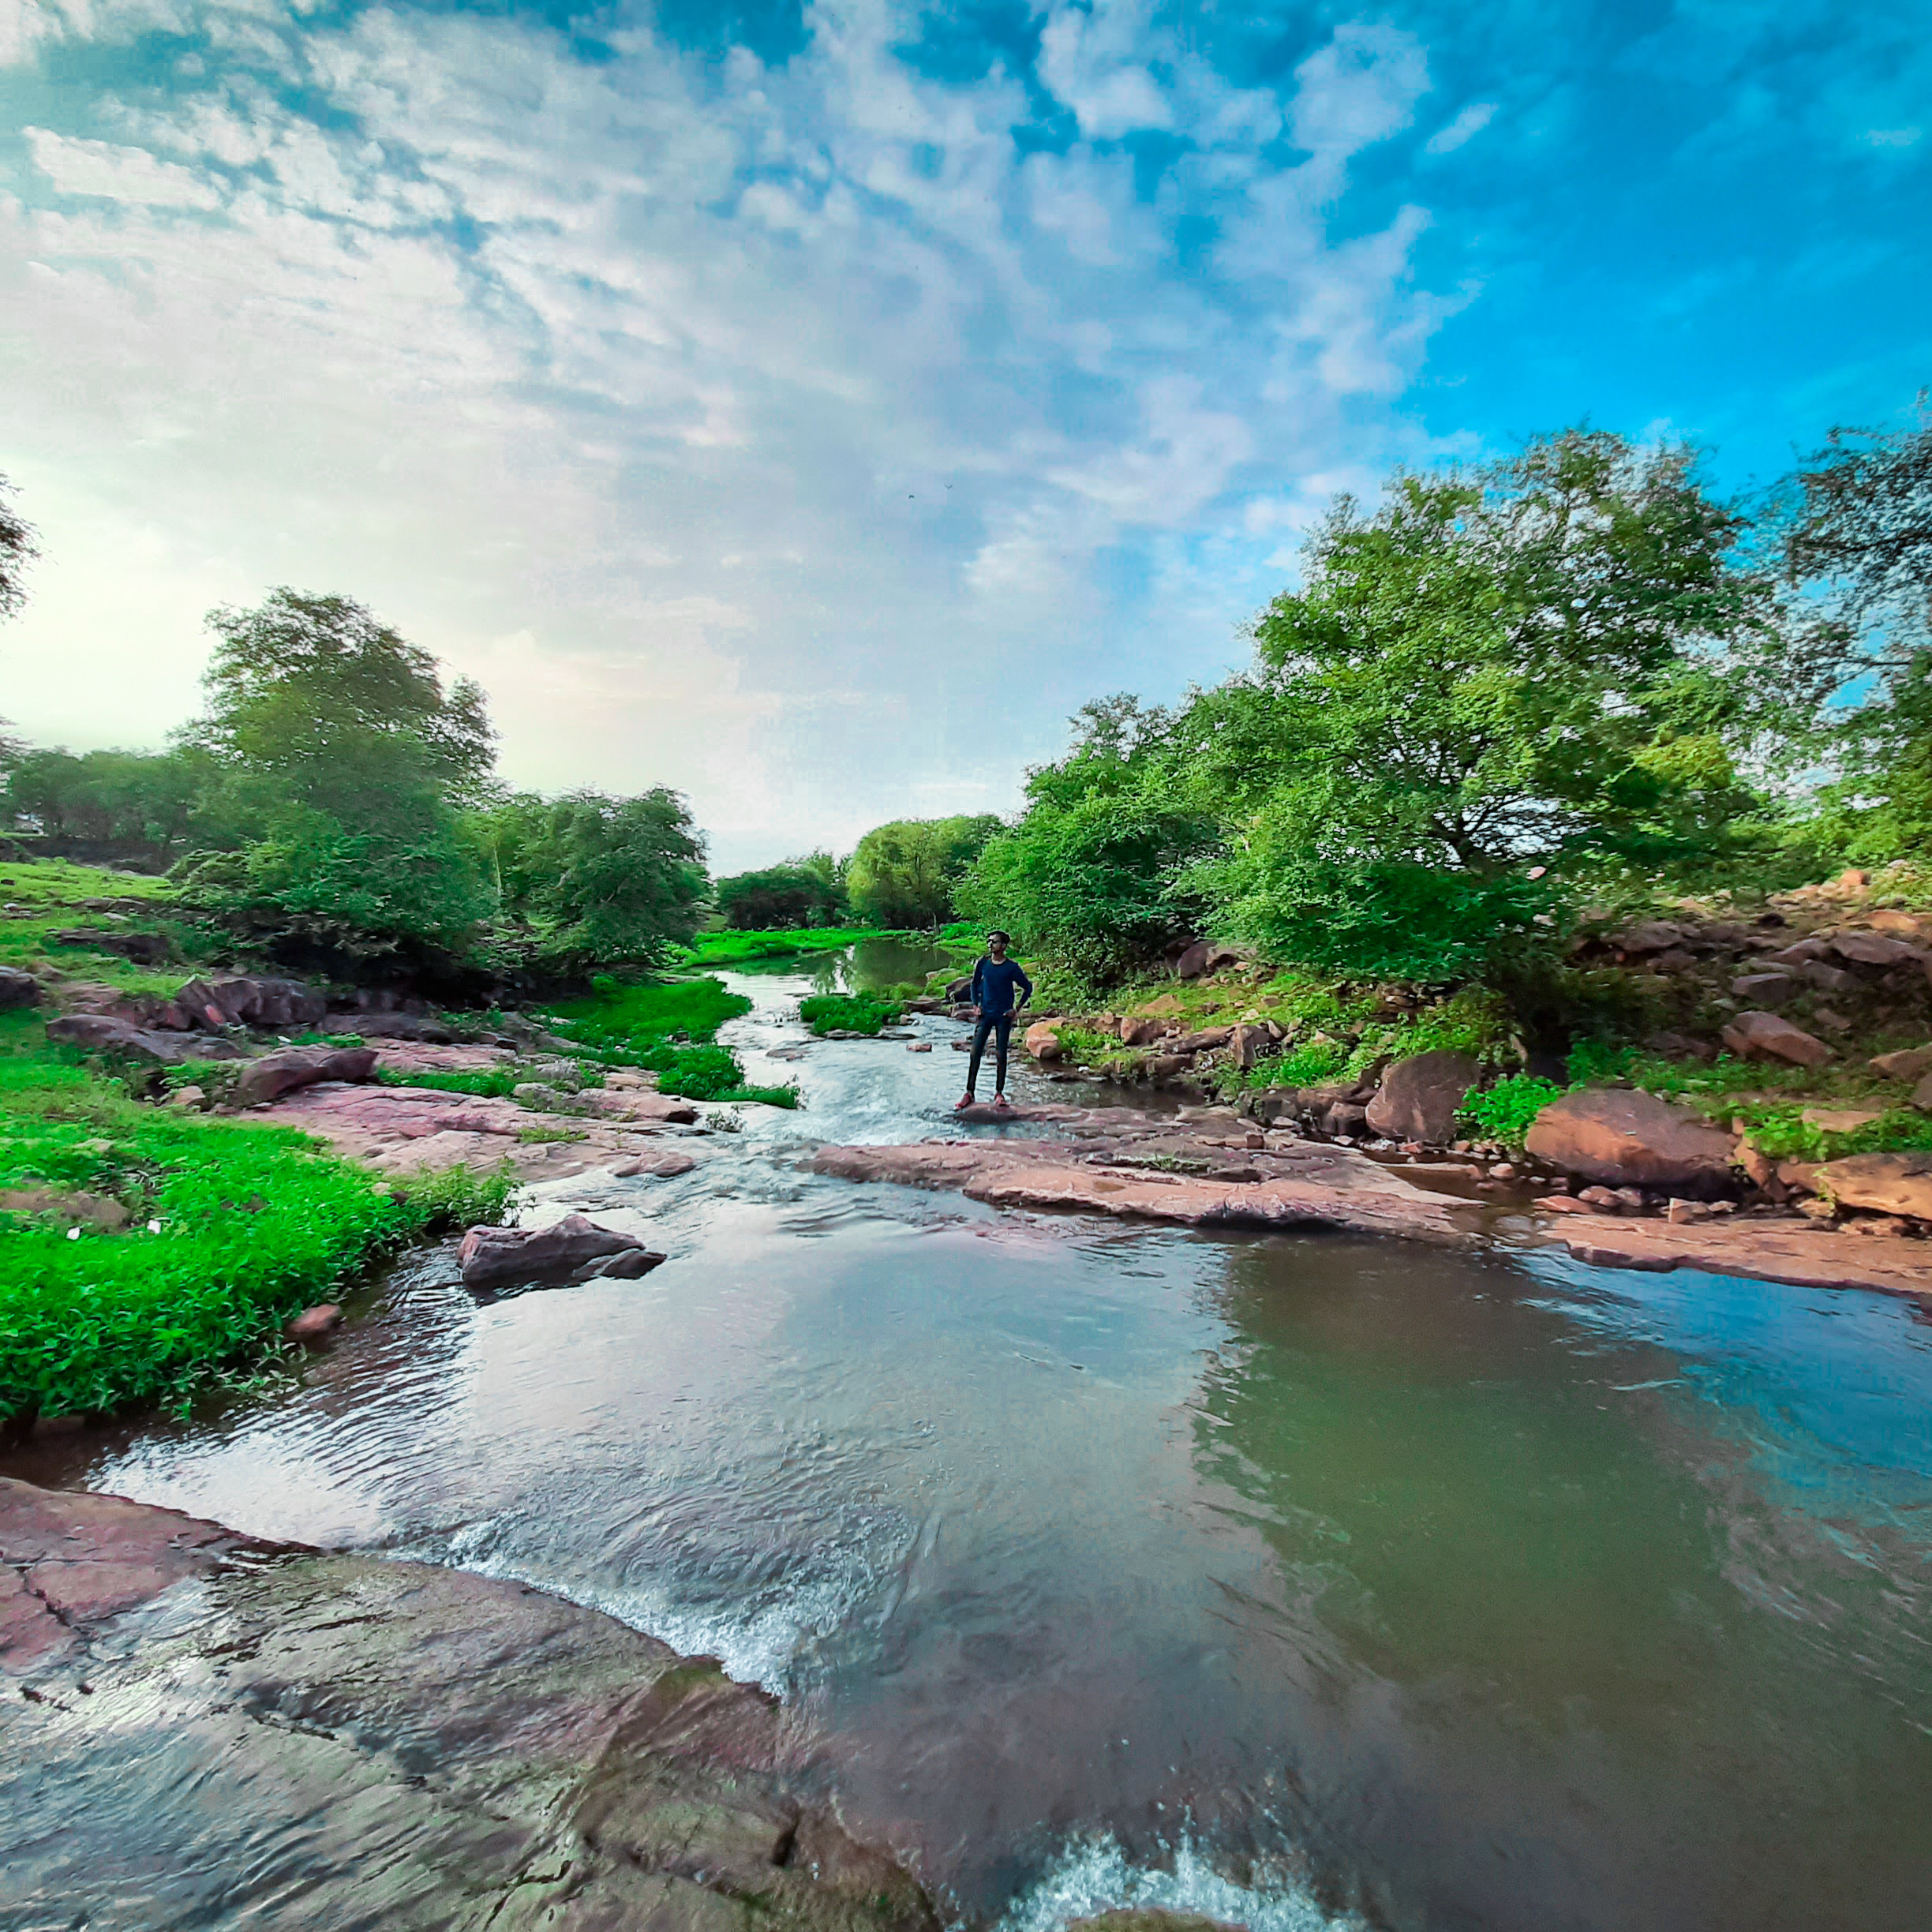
(249, 999)
(1751, 1033)
(1419, 1097)
(276, 1074)
(573, 1249)
(1871, 948)
(1042, 1040)
(1764, 990)
(1249, 1044)
(145, 949)
(1206, 955)
(1624, 1138)
(411, 1027)
(1896, 1184)
(18, 989)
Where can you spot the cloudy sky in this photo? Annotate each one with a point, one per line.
(809, 405)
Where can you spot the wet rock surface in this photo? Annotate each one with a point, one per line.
(1201, 1172)
(572, 1249)
(391, 1743)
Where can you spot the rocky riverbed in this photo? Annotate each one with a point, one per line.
(401, 1744)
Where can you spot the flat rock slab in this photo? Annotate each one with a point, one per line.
(401, 1130)
(1308, 1185)
(335, 1740)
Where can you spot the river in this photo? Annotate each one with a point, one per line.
(1299, 1580)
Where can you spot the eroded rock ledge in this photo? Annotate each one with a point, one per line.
(450, 1751)
(1120, 1162)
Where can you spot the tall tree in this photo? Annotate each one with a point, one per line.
(905, 873)
(17, 550)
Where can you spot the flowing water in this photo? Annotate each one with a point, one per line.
(1301, 1581)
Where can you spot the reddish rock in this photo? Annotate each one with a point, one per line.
(1623, 1137)
(1827, 979)
(267, 1079)
(572, 1249)
(1142, 1031)
(1649, 936)
(313, 1325)
(1891, 1183)
(1764, 989)
(1871, 948)
(1249, 1044)
(1042, 1041)
(1751, 1033)
(1798, 953)
(1204, 1039)
(1419, 1097)
(1167, 1066)
(1561, 1204)
(100, 1033)
(1911, 1063)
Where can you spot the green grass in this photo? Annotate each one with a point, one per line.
(52, 894)
(733, 948)
(1505, 1112)
(669, 1027)
(235, 1227)
(1102, 1052)
(849, 1013)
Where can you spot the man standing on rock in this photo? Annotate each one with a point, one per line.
(994, 980)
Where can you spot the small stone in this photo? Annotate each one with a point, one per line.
(1680, 1212)
(1840, 1119)
(313, 1325)
(1831, 1021)
(1631, 1200)
(1503, 1171)
(1877, 1224)
(188, 1097)
(1813, 1209)
(1599, 1197)
(1764, 989)
(919, 1046)
(1562, 1203)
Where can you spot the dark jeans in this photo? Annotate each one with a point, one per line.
(1001, 1026)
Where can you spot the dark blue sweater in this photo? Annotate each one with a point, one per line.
(993, 983)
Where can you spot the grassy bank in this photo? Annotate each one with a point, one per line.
(743, 948)
(51, 895)
(668, 1027)
(228, 1228)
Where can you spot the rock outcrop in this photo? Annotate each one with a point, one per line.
(18, 989)
(1765, 1033)
(1622, 1137)
(267, 1079)
(573, 1249)
(1893, 1184)
(1043, 1041)
(1204, 957)
(385, 1741)
(1418, 1098)
(100, 1034)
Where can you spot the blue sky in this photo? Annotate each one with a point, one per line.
(809, 407)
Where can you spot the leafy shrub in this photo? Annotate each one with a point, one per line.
(1313, 1064)
(1504, 1113)
(827, 1013)
(458, 1197)
(486, 1083)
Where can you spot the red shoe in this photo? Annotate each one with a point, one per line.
(965, 1100)
(999, 1104)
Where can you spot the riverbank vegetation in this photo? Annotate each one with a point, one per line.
(142, 1249)
(670, 1029)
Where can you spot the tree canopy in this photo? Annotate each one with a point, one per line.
(905, 873)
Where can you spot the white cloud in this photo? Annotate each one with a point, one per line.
(673, 409)
(1465, 127)
(101, 169)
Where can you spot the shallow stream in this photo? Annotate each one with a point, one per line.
(1301, 1581)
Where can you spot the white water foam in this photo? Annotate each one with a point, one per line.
(756, 1645)
(1098, 1877)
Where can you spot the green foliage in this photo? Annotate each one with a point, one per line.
(56, 896)
(906, 873)
(1315, 1063)
(1093, 872)
(1102, 1052)
(1505, 1112)
(340, 765)
(141, 802)
(600, 880)
(801, 892)
(668, 1027)
(254, 1223)
(486, 1083)
(743, 948)
(454, 1198)
(826, 1013)
(17, 550)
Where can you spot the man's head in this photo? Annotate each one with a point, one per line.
(997, 943)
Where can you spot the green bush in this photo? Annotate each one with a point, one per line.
(235, 1226)
(827, 1013)
(1504, 1113)
(490, 1083)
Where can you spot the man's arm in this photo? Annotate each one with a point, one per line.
(978, 980)
(1025, 984)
